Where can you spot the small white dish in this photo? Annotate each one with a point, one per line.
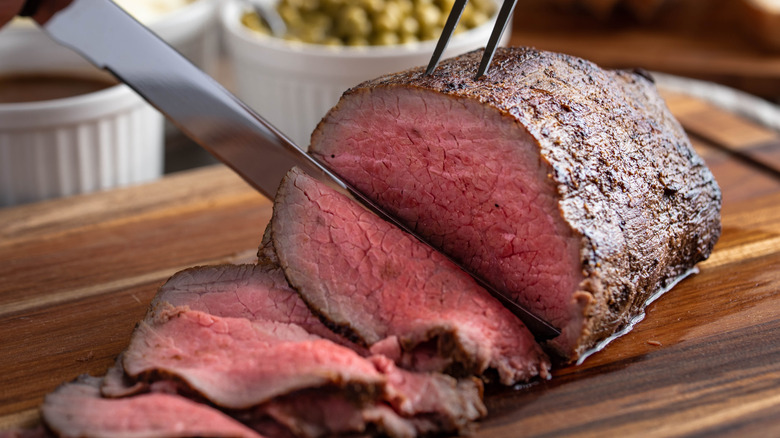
(80, 144)
(293, 85)
(190, 27)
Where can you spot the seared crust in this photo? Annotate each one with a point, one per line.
(629, 183)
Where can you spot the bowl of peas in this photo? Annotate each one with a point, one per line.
(294, 76)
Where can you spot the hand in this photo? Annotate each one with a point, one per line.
(9, 9)
(45, 9)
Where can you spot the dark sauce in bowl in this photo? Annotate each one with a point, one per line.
(36, 87)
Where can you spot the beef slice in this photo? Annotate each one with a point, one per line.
(385, 289)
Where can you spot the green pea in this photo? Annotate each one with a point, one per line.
(405, 6)
(486, 6)
(427, 15)
(331, 7)
(373, 6)
(385, 39)
(409, 26)
(475, 19)
(390, 19)
(319, 20)
(446, 5)
(407, 38)
(353, 22)
(357, 41)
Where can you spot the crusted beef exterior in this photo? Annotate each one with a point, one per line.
(399, 297)
(568, 187)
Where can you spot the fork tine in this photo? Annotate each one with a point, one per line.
(446, 33)
(501, 21)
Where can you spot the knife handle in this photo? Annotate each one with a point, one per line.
(30, 8)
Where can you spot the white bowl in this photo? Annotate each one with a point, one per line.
(96, 141)
(192, 29)
(293, 85)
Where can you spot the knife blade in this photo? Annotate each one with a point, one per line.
(206, 112)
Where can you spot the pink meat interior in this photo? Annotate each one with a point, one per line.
(76, 409)
(364, 274)
(469, 179)
(237, 363)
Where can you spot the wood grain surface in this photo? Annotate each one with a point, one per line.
(76, 274)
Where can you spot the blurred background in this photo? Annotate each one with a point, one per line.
(731, 42)
(726, 51)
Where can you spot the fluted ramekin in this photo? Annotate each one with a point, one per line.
(96, 141)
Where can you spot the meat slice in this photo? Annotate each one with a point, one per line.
(254, 292)
(77, 410)
(117, 384)
(238, 364)
(414, 404)
(396, 295)
(433, 402)
(569, 188)
(38, 431)
(322, 413)
(274, 376)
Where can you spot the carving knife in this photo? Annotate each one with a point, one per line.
(207, 113)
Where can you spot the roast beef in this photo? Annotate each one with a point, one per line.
(254, 292)
(321, 412)
(77, 410)
(238, 364)
(570, 188)
(413, 404)
(275, 375)
(387, 290)
(38, 431)
(433, 402)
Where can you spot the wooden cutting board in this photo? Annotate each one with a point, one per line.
(76, 274)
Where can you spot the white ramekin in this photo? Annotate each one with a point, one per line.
(193, 30)
(96, 141)
(294, 85)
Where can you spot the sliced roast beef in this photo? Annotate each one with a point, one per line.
(38, 431)
(413, 404)
(433, 402)
(255, 292)
(321, 412)
(274, 376)
(117, 384)
(570, 188)
(238, 364)
(398, 296)
(77, 410)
